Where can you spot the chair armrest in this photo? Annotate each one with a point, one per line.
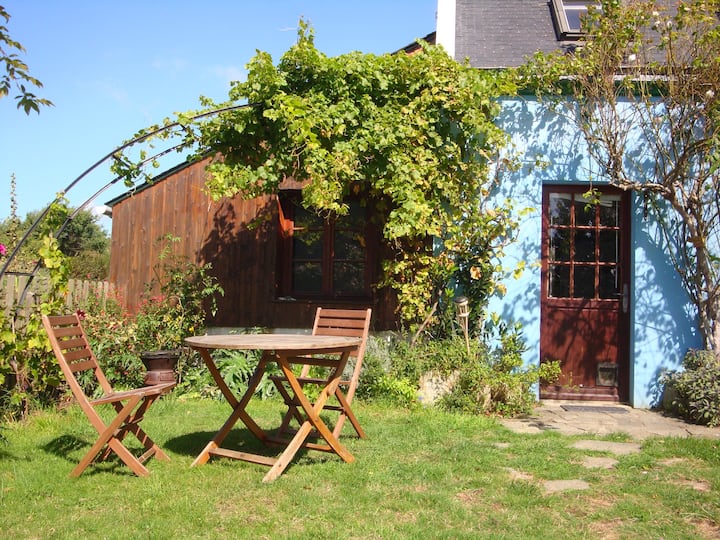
(114, 397)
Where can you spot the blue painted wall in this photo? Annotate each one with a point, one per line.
(662, 321)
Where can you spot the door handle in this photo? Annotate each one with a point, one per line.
(624, 295)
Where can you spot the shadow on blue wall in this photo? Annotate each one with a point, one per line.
(663, 321)
(665, 324)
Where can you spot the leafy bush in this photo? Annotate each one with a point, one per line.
(29, 373)
(696, 388)
(108, 329)
(237, 367)
(491, 379)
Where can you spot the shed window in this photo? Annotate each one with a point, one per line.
(323, 257)
(569, 15)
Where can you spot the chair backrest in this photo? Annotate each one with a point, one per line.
(348, 323)
(73, 353)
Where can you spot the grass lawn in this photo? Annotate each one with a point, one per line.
(420, 474)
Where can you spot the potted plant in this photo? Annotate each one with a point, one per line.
(174, 306)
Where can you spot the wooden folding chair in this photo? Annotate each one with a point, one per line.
(75, 356)
(332, 322)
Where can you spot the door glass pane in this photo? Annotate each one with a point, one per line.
(559, 281)
(608, 286)
(560, 208)
(585, 245)
(610, 211)
(584, 282)
(609, 246)
(584, 213)
(559, 244)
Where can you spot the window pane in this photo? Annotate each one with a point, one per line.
(608, 282)
(307, 245)
(307, 220)
(355, 217)
(559, 281)
(349, 278)
(559, 245)
(574, 12)
(585, 245)
(560, 208)
(349, 245)
(573, 18)
(307, 235)
(307, 277)
(609, 246)
(584, 282)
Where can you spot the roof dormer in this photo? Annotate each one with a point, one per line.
(568, 15)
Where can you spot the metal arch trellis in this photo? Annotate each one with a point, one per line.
(111, 155)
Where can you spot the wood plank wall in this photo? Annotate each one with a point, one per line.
(243, 257)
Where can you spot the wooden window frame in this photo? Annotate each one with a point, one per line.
(287, 202)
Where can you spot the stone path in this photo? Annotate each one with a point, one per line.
(571, 418)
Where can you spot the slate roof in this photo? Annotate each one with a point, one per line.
(503, 33)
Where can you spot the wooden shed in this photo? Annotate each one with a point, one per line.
(273, 276)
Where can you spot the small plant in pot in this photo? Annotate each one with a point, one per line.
(173, 308)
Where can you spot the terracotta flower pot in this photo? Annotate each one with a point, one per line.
(160, 366)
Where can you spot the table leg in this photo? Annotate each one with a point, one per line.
(239, 407)
(312, 411)
(217, 377)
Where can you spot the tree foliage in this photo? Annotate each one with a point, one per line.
(83, 241)
(647, 85)
(411, 135)
(17, 73)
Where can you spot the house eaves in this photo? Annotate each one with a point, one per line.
(147, 185)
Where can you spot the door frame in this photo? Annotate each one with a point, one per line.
(623, 306)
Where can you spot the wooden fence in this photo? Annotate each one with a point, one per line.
(13, 284)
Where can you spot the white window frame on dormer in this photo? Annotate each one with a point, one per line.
(569, 27)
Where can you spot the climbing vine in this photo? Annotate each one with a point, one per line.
(412, 135)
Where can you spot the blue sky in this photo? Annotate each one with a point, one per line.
(114, 67)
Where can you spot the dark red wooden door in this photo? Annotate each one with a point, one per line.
(585, 292)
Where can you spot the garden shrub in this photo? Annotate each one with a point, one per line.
(491, 379)
(696, 388)
(108, 330)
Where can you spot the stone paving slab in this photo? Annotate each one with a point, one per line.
(639, 424)
(590, 419)
(591, 462)
(617, 448)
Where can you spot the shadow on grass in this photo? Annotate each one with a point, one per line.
(241, 440)
(65, 445)
(71, 449)
(191, 444)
